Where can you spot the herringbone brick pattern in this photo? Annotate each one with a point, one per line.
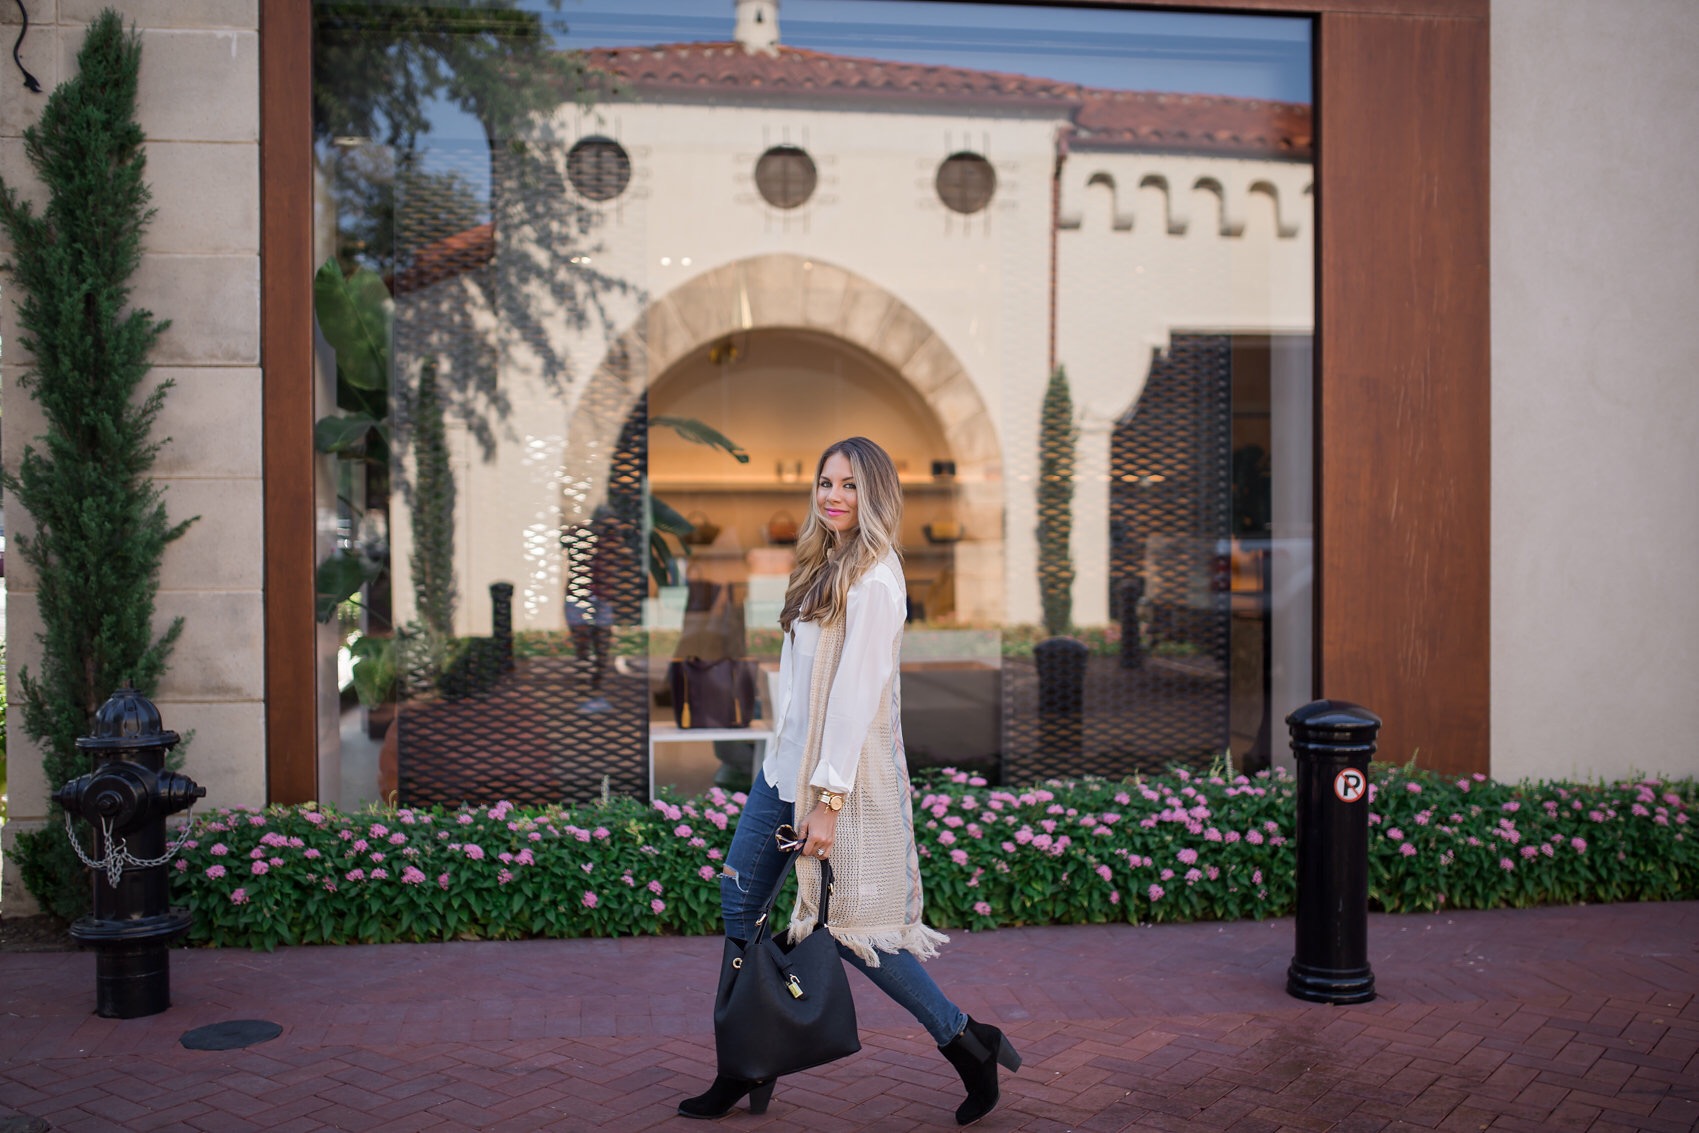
(1530, 1021)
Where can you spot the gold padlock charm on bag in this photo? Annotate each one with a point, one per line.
(794, 986)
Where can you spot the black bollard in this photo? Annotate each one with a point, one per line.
(1061, 664)
(501, 621)
(1131, 593)
(1332, 740)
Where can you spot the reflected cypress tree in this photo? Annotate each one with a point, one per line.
(433, 511)
(1056, 439)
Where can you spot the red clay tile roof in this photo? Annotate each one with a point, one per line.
(680, 67)
(1196, 123)
(1102, 119)
(446, 258)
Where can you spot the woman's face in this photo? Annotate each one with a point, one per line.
(835, 495)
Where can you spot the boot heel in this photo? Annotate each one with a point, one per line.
(1006, 1055)
(760, 1096)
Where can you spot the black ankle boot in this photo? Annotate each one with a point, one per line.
(975, 1054)
(722, 1097)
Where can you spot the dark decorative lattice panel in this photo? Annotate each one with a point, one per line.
(1147, 708)
(561, 721)
(526, 739)
(621, 579)
(544, 729)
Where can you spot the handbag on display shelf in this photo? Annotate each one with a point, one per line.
(781, 529)
(712, 694)
(781, 1008)
(702, 533)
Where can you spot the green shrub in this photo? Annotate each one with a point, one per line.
(1473, 843)
(1178, 847)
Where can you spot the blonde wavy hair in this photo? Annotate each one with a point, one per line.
(820, 583)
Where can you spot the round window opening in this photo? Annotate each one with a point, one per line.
(786, 176)
(966, 182)
(598, 168)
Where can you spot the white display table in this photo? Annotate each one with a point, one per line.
(758, 733)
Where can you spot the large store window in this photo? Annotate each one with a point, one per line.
(599, 283)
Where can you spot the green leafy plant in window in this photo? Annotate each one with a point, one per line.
(100, 523)
(664, 519)
(354, 313)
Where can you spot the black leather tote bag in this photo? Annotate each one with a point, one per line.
(782, 1008)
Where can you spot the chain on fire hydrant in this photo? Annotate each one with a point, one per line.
(126, 799)
(1332, 741)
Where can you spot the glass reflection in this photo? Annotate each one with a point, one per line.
(641, 265)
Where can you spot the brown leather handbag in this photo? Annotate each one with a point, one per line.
(712, 694)
(702, 532)
(781, 529)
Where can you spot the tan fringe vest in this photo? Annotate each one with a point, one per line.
(876, 895)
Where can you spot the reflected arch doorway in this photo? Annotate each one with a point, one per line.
(785, 306)
(784, 394)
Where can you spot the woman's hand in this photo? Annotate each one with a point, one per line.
(818, 830)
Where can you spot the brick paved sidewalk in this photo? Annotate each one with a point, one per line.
(1530, 1020)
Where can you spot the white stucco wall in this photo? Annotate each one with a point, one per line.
(1595, 281)
(1152, 245)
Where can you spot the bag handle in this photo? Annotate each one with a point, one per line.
(824, 915)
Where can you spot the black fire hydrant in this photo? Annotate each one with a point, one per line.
(126, 798)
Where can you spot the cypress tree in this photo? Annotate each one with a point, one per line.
(433, 510)
(100, 527)
(1056, 437)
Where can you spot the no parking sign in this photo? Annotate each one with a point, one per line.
(1350, 785)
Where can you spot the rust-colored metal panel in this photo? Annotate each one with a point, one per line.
(1404, 380)
(286, 341)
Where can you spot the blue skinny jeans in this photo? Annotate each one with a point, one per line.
(754, 864)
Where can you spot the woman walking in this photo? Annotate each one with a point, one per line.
(839, 775)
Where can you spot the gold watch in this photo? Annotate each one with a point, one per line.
(832, 799)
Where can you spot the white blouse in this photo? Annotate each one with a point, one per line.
(875, 615)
